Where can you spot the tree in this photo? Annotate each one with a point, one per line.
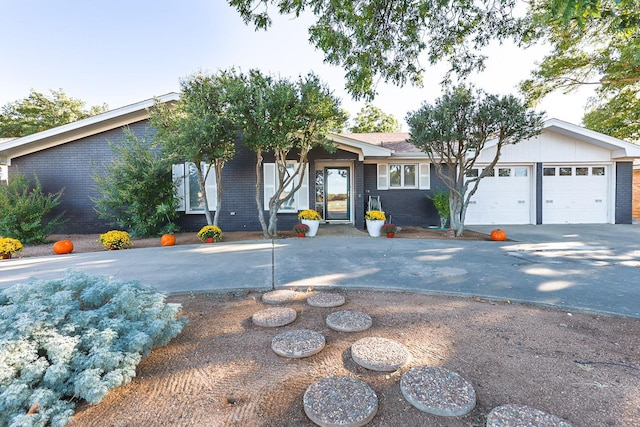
(384, 39)
(38, 112)
(457, 127)
(25, 210)
(136, 189)
(201, 129)
(619, 117)
(593, 44)
(285, 118)
(373, 119)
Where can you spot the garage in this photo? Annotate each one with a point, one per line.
(503, 197)
(575, 194)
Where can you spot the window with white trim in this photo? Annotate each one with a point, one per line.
(190, 197)
(300, 199)
(393, 176)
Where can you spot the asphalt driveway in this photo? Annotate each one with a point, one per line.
(577, 267)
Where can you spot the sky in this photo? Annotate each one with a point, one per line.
(122, 52)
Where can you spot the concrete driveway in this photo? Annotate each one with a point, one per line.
(577, 267)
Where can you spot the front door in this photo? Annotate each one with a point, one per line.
(337, 194)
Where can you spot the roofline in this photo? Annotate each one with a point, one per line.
(83, 128)
(362, 149)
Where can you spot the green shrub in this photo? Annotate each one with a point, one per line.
(74, 338)
(24, 209)
(137, 191)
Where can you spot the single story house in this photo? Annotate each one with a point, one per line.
(567, 174)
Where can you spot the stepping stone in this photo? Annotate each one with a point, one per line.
(522, 416)
(340, 401)
(274, 317)
(379, 354)
(438, 391)
(298, 343)
(349, 321)
(281, 296)
(325, 299)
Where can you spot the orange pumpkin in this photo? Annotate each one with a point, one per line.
(498, 235)
(168, 240)
(62, 247)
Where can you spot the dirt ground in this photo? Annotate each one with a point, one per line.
(221, 371)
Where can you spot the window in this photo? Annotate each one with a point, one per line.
(565, 172)
(472, 173)
(398, 176)
(300, 199)
(188, 190)
(491, 172)
(582, 171)
(549, 171)
(504, 172)
(597, 171)
(521, 172)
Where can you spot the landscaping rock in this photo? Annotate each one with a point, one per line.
(438, 391)
(326, 299)
(349, 321)
(379, 354)
(522, 416)
(298, 343)
(282, 296)
(340, 401)
(274, 317)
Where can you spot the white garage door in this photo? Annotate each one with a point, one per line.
(575, 194)
(503, 198)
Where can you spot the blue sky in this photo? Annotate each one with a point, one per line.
(121, 52)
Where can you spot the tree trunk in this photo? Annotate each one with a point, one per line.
(456, 202)
(203, 189)
(218, 165)
(263, 224)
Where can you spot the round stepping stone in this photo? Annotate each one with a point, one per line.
(298, 343)
(274, 317)
(522, 416)
(281, 296)
(379, 354)
(438, 391)
(348, 321)
(340, 401)
(325, 299)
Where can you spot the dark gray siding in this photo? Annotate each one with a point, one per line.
(404, 207)
(70, 167)
(624, 192)
(538, 197)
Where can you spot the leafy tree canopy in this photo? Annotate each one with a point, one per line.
(457, 127)
(201, 128)
(373, 119)
(38, 112)
(385, 39)
(619, 116)
(286, 118)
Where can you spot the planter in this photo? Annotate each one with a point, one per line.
(313, 226)
(301, 234)
(374, 227)
(209, 240)
(6, 256)
(391, 235)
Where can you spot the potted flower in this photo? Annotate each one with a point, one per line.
(115, 239)
(9, 246)
(210, 234)
(375, 220)
(389, 229)
(301, 229)
(311, 218)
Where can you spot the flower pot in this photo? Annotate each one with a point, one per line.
(209, 240)
(374, 227)
(6, 256)
(301, 234)
(390, 235)
(313, 226)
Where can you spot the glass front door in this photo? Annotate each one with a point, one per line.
(337, 194)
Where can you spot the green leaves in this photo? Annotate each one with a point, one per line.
(38, 112)
(373, 119)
